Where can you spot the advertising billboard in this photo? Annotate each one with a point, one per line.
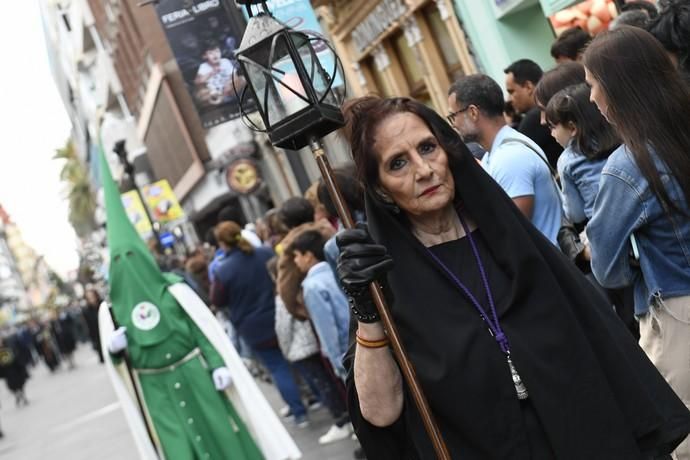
(203, 36)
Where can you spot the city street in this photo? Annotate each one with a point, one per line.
(73, 415)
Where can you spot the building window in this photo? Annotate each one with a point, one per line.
(382, 86)
(439, 30)
(411, 68)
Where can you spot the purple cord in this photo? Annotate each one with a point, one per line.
(493, 323)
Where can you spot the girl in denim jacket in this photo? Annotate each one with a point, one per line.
(587, 140)
(644, 195)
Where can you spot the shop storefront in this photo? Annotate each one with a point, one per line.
(395, 47)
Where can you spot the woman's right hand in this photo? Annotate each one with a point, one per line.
(360, 263)
(118, 340)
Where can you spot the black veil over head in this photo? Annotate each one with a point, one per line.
(596, 393)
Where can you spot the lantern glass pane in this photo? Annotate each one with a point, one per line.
(290, 91)
(266, 93)
(319, 76)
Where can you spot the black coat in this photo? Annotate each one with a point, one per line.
(63, 329)
(593, 389)
(91, 318)
(12, 369)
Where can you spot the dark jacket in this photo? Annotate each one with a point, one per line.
(243, 287)
(531, 127)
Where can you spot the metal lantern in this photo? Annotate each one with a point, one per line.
(293, 92)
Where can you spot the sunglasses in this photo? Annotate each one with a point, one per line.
(451, 116)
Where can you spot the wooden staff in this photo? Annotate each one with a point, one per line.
(408, 371)
(130, 373)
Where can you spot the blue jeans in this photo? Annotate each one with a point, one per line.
(282, 375)
(324, 386)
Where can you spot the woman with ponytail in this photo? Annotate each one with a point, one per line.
(243, 288)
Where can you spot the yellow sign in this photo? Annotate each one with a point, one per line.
(136, 213)
(243, 176)
(162, 202)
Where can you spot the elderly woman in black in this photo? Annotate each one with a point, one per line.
(516, 352)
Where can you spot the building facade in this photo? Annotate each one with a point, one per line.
(410, 48)
(120, 81)
(24, 280)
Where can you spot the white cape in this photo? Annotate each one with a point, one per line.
(266, 429)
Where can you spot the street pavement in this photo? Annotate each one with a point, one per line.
(74, 415)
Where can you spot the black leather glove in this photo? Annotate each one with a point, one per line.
(361, 262)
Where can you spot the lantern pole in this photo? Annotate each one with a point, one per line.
(406, 367)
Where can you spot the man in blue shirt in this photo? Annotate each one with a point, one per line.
(514, 161)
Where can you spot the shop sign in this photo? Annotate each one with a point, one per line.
(243, 176)
(376, 23)
(162, 202)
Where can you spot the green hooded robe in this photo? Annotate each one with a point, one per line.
(192, 420)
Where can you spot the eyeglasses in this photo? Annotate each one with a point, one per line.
(451, 116)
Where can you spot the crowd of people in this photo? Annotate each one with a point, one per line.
(526, 247)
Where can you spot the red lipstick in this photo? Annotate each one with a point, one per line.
(431, 190)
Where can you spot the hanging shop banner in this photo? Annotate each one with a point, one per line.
(592, 16)
(136, 213)
(299, 15)
(162, 202)
(203, 36)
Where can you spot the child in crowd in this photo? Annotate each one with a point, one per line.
(588, 140)
(325, 302)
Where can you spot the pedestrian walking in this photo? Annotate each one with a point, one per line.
(518, 356)
(640, 228)
(90, 313)
(243, 288)
(46, 345)
(62, 327)
(13, 371)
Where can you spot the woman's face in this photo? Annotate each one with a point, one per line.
(598, 96)
(413, 167)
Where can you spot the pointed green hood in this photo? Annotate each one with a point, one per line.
(135, 280)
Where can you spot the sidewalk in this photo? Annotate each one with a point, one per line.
(74, 415)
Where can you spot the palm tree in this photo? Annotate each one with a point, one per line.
(82, 200)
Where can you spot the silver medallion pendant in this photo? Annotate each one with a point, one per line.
(520, 387)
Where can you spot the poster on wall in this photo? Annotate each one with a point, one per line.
(162, 202)
(136, 213)
(204, 36)
(593, 16)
